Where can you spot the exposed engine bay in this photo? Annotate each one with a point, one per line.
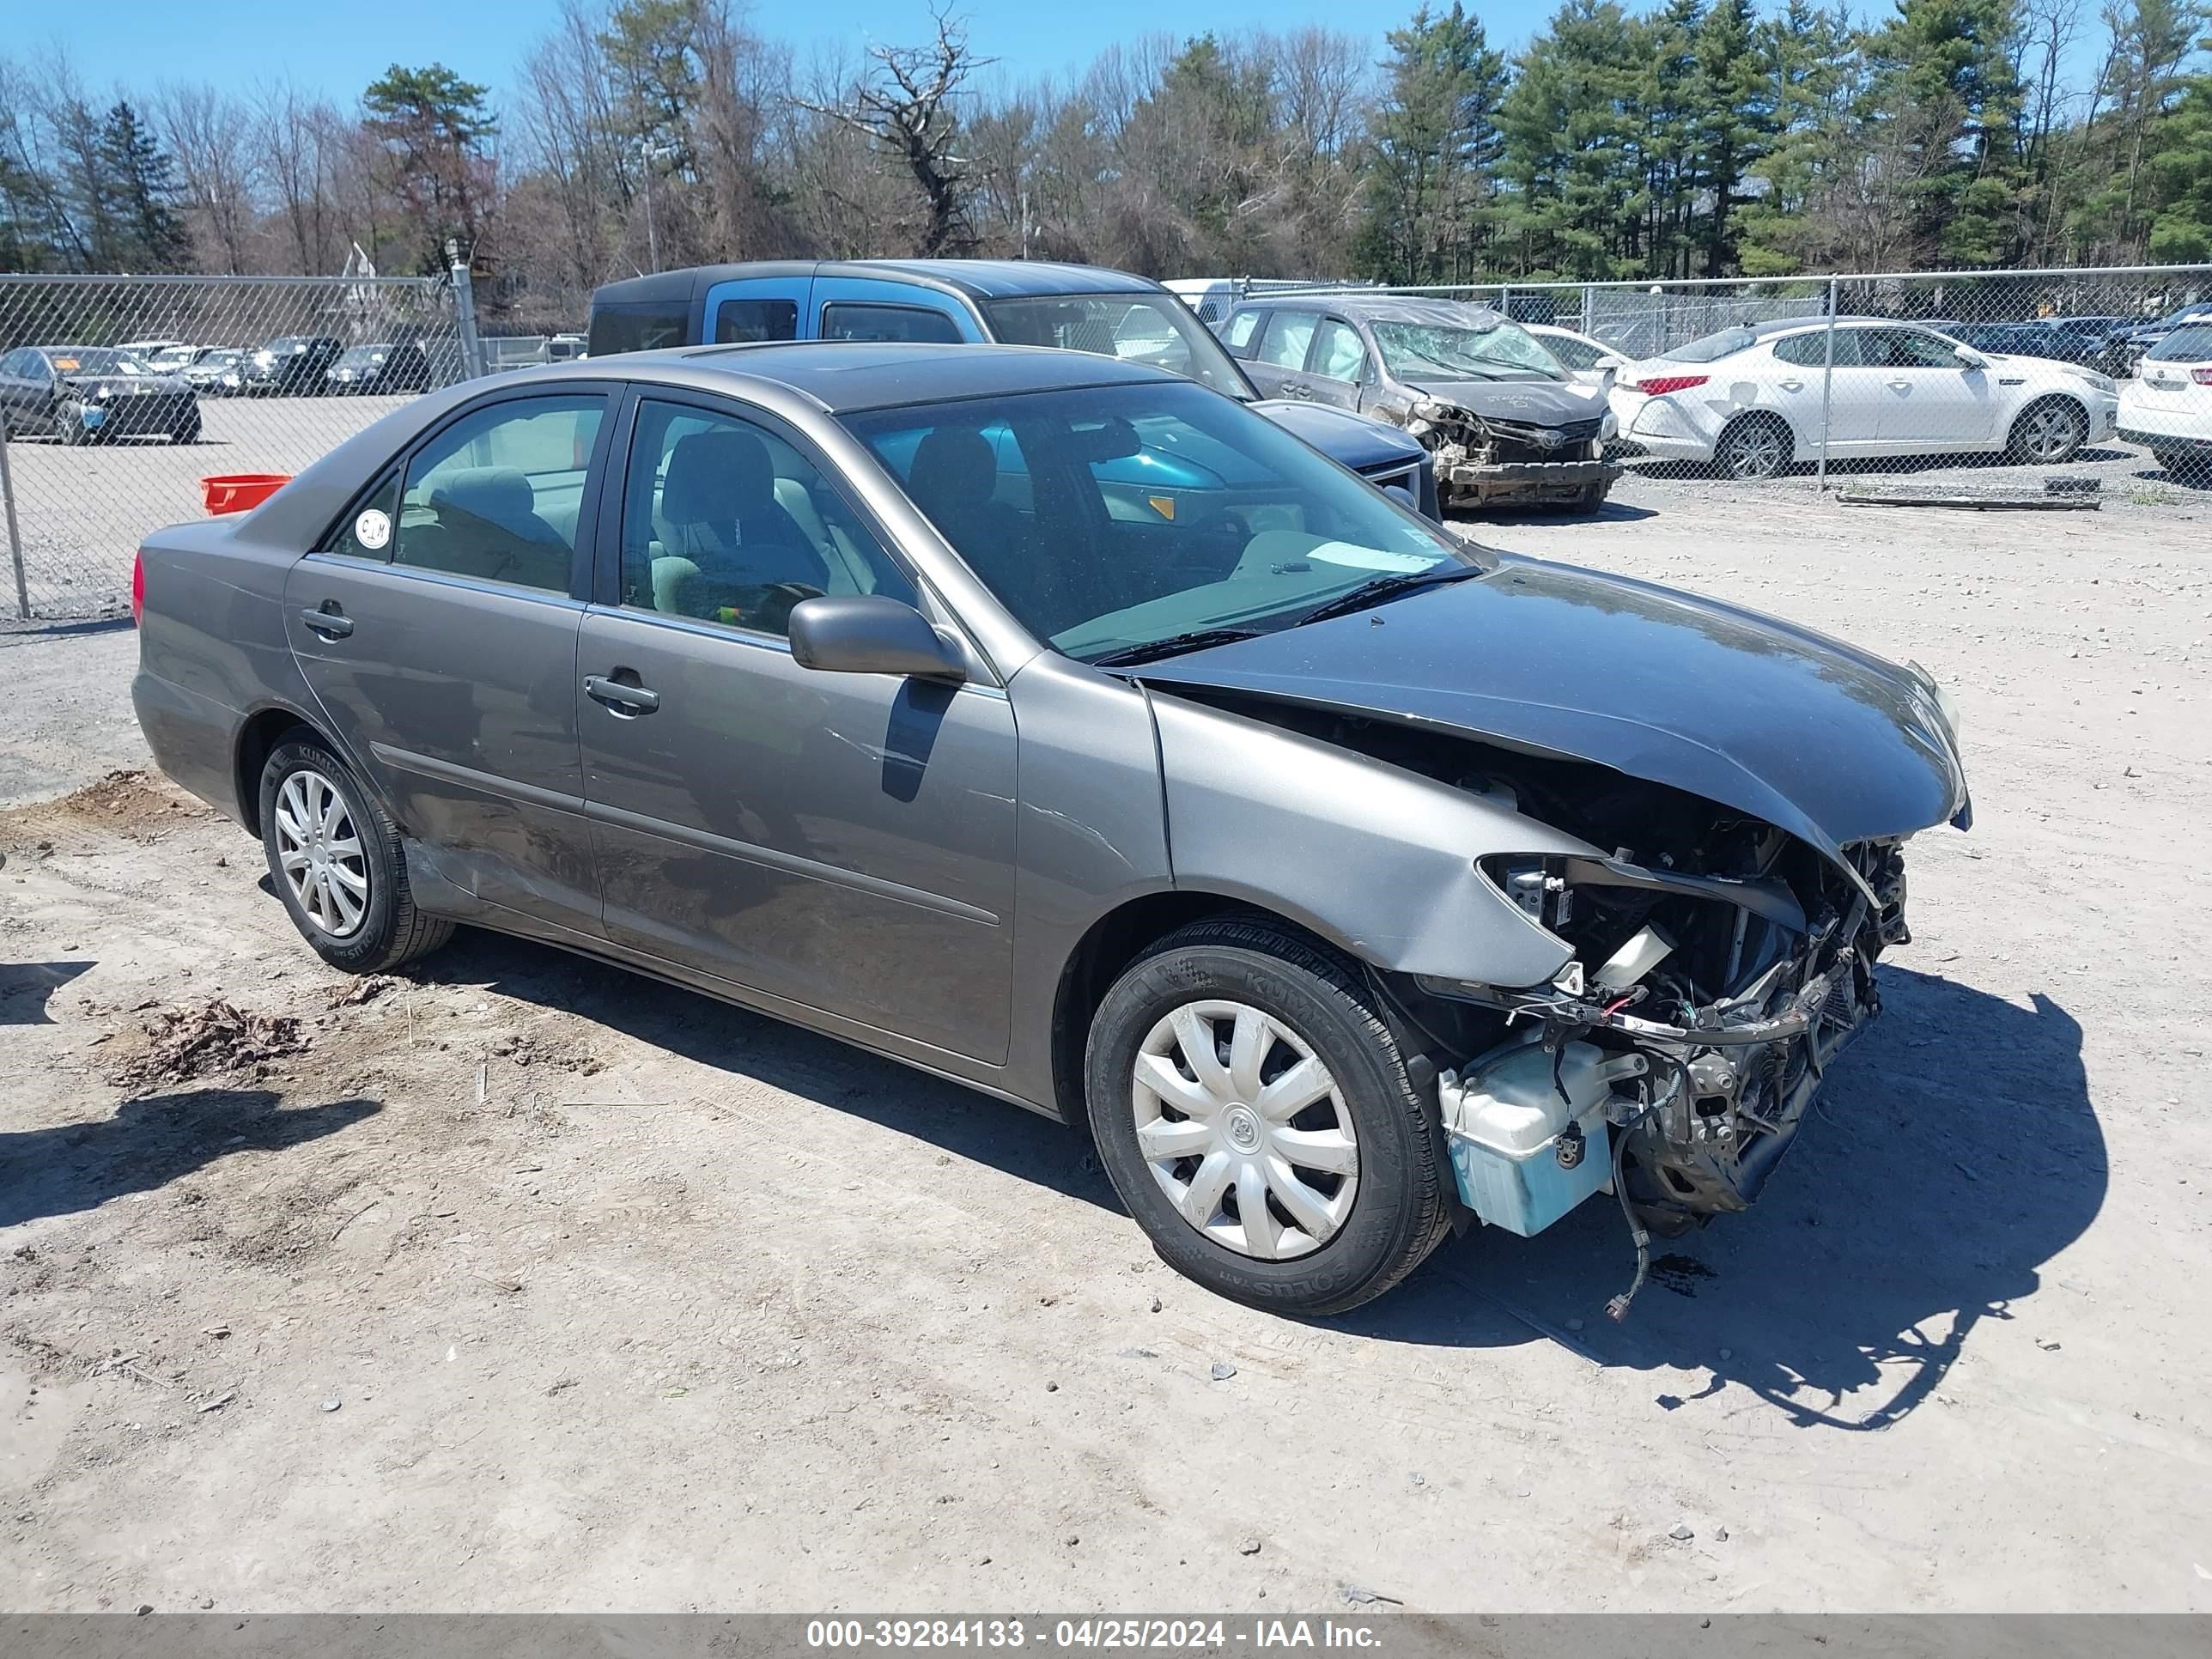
(1479, 458)
(1719, 964)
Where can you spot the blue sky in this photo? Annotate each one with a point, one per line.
(338, 48)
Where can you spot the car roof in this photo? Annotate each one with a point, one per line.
(1389, 308)
(843, 376)
(977, 279)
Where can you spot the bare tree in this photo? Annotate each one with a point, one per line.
(905, 106)
(210, 134)
(296, 139)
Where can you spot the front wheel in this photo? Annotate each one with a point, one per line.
(69, 419)
(337, 863)
(2048, 433)
(1252, 1109)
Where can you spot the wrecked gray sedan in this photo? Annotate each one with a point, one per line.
(1058, 725)
(1503, 419)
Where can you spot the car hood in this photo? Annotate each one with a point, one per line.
(1832, 744)
(90, 384)
(1526, 402)
(1354, 440)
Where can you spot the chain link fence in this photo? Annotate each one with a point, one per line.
(121, 394)
(1986, 386)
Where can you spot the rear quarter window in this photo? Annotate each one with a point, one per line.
(1713, 346)
(638, 328)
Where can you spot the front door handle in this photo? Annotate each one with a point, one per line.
(1793, 385)
(333, 624)
(1900, 386)
(624, 702)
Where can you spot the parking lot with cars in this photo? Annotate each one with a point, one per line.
(357, 1294)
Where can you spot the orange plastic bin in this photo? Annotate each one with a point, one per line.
(240, 492)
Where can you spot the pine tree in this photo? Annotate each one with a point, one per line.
(1428, 210)
(1571, 150)
(139, 180)
(434, 130)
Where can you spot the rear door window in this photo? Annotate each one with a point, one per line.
(744, 322)
(1284, 345)
(496, 495)
(848, 320)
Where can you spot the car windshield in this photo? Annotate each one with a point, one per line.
(1713, 346)
(2192, 344)
(1122, 519)
(366, 357)
(94, 360)
(1422, 351)
(1148, 328)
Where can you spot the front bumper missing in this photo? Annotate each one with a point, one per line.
(1524, 481)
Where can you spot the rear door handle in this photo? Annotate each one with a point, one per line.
(626, 702)
(330, 624)
(1793, 385)
(1900, 386)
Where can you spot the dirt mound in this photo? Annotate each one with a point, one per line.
(189, 1043)
(132, 802)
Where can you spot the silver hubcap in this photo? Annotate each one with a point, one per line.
(320, 852)
(1245, 1130)
(2049, 432)
(1756, 452)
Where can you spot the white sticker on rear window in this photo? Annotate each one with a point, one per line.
(372, 529)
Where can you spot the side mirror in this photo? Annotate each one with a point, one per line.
(872, 634)
(1972, 358)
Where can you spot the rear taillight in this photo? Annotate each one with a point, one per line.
(2202, 376)
(1660, 385)
(138, 587)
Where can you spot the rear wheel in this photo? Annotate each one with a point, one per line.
(1251, 1108)
(189, 433)
(2170, 460)
(337, 863)
(1756, 446)
(2048, 433)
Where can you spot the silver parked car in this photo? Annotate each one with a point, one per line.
(1057, 725)
(1502, 418)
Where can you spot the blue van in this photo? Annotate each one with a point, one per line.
(1014, 301)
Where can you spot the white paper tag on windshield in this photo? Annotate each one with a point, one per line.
(372, 529)
(1370, 559)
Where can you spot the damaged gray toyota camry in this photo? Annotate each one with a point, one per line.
(1057, 726)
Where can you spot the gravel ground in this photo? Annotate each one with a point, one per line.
(525, 1283)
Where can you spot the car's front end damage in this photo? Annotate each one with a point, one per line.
(1529, 456)
(1717, 968)
(1692, 861)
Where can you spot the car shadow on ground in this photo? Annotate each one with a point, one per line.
(728, 1039)
(149, 1143)
(1860, 466)
(26, 986)
(2197, 477)
(1953, 1153)
(1608, 512)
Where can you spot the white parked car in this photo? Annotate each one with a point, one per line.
(2167, 407)
(1588, 361)
(1751, 399)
